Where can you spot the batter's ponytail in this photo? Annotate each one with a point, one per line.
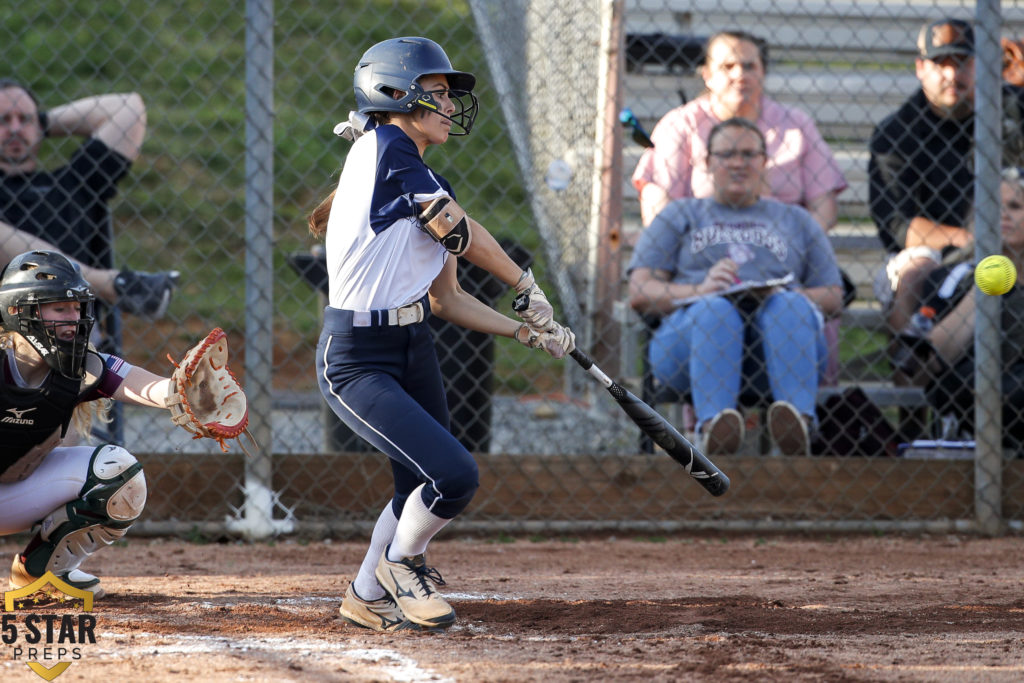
(318, 219)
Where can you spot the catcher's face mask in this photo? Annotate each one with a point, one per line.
(59, 331)
(44, 298)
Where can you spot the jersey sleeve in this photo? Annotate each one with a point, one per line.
(115, 369)
(403, 180)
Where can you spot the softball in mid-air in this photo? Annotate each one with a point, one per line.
(995, 275)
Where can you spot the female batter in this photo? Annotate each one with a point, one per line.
(52, 385)
(393, 228)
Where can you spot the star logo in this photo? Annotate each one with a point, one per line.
(47, 636)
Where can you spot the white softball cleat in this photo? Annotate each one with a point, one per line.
(377, 615)
(409, 581)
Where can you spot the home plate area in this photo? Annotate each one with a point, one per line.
(700, 607)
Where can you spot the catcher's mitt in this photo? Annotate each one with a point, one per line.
(205, 398)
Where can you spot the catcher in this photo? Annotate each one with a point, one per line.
(53, 384)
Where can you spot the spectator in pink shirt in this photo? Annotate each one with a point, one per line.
(800, 170)
(800, 167)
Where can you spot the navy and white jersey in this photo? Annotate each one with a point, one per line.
(377, 255)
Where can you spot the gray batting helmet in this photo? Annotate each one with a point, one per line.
(396, 65)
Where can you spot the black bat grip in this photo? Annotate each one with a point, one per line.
(582, 358)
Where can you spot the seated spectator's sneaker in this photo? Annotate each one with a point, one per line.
(409, 581)
(788, 429)
(723, 434)
(146, 295)
(377, 615)
(76, 578)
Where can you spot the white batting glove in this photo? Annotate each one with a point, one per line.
(557, 341)
(531, 305)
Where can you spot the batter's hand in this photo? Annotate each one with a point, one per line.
(531, 304)
(558, 341)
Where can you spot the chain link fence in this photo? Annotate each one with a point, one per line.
(240, 106)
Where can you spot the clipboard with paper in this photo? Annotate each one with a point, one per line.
(739, 288)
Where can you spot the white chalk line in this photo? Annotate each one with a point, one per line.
(396, 666)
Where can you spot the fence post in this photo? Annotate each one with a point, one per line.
(605, 273)
(257, 521)
(988, 460)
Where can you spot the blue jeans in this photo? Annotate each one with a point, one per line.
(699, 350)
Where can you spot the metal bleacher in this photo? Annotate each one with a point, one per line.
(847, 64)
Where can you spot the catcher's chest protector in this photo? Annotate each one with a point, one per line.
(29, 416)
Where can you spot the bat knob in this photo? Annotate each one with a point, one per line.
(717, 485)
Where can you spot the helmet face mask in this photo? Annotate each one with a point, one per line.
(396, 66)
(27, 284)
(62, 352)
(466, 107)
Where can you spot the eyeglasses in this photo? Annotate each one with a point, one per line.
(745, 154)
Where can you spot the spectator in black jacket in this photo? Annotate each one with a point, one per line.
(67, 208)
(921, 167)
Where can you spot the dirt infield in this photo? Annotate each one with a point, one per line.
(694, 608)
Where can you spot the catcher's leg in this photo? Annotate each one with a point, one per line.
(111, 499)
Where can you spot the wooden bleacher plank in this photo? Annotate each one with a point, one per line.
(864, 317)
(792, 84)
(839, 119)
(813, 30)
(883, 395)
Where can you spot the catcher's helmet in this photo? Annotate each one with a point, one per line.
(396, 65)
(41, 277)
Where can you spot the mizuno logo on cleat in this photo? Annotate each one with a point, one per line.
(386, 623)
(399, 591)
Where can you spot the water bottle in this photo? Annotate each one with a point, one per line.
(913, 349)
(639, 135)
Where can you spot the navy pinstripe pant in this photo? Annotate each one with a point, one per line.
(384, 382)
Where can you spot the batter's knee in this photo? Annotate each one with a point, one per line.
(456, 491)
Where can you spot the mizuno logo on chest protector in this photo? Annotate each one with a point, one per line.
(17, 417)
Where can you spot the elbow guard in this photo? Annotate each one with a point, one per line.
(447, 223)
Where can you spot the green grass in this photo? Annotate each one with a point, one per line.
(862, 353)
